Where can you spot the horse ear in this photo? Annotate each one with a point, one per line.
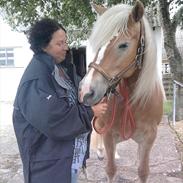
(137, 11)
(99, 9)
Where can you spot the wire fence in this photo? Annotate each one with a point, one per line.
(176, 84)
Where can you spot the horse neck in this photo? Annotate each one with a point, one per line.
(131, 81)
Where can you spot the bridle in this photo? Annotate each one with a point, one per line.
(138, 60)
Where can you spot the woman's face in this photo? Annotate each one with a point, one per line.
(57, 47)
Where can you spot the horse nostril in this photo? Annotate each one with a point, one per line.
(88, 95)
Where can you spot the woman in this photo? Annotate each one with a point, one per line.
(52, 127)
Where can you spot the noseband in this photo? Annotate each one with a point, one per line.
(114, 81)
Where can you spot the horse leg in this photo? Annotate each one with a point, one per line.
(97, 144)
(110, 147)
(100, 148)
(144, 148)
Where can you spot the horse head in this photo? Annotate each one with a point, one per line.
(117, 41)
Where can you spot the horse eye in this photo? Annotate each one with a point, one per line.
(123, 45)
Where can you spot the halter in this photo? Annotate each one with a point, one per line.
(114, 81)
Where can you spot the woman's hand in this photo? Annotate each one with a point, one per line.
(100, 108)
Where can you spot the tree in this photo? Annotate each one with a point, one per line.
(169, 26)
(75, 15)
(169, 29)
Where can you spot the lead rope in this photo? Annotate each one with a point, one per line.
(127, 119)
(127, 116)
(110, 123)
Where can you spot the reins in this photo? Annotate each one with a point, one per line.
(127, 119)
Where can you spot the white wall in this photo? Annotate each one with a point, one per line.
(9, 80)
(10, 76)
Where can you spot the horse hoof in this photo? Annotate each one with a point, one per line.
(85, 173)
(100, 158)
(100, 154)
(117, 156)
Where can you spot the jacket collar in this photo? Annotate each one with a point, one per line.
(46, 59)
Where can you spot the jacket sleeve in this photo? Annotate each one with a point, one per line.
(50, 114)
(86, 114)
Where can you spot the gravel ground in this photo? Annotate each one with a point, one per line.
(165, 164)
(178, 130)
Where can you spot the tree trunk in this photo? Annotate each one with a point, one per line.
(173, 54)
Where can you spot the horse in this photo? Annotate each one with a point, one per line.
(124, 72)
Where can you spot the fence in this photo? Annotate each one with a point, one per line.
(168, 86)
(175, 85)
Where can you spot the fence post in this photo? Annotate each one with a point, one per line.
(175, 83)
(174, 102)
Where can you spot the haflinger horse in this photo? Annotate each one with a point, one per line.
(124, 71)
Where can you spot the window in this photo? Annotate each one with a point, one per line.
(6, 57)
(165, 68)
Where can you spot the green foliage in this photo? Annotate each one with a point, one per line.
(114, 2)
(25, 13)
(77, 14)
(167, 107)
(21, 14)
(74, 12)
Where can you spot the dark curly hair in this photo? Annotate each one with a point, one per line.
(40, 34)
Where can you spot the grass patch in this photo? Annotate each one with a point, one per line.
(167, 107)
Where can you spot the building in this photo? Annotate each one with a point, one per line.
(14, 56)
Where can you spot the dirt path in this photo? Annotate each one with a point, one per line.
(178, 131)
(165, 164)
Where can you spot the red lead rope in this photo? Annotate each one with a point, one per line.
(110, 123)
(127, 119)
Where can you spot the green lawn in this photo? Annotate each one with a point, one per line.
(167, 107)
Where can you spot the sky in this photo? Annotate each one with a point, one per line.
(9, 37)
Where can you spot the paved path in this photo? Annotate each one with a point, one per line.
(165, 165)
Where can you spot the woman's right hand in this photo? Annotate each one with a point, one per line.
(100, 108)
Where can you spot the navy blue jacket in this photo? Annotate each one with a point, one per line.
(46, 125)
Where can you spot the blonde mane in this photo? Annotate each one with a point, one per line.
(113, 22)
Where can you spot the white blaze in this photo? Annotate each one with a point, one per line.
(87, 80)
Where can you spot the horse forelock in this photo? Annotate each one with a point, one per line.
(110, 24)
